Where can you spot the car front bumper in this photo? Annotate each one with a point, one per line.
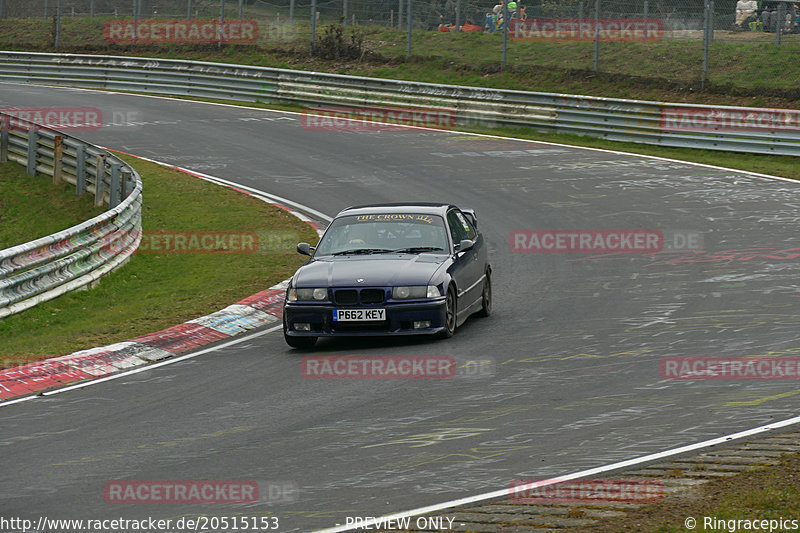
(400, 318)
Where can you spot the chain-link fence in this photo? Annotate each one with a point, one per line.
(48, 9)
(747, 43)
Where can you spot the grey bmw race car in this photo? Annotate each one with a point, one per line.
(390, 269)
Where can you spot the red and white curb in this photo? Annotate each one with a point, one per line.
(260, 309)
(255, 311)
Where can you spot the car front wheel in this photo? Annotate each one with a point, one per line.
(449, 314)
(486, 297)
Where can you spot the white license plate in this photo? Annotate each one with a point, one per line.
(358, 315)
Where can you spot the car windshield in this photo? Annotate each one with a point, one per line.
(384, 233)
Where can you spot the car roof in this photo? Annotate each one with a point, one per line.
(428, 208)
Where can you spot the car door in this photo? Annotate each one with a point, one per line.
(467, 269)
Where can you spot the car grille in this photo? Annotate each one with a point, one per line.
(345, 297)
(358, 296)
(372, 296)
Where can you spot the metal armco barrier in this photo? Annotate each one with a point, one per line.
(739, 129)
(43, 269)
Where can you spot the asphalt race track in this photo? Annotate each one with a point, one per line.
(565, 375)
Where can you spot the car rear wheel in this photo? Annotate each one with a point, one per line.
(486, 297)
(449, 314)
(298, 342)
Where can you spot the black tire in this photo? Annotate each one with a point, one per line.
(486, 296)
(303, 343)
(450, 316)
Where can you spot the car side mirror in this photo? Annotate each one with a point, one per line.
(465, 244)
(471, 216)
(304, 248)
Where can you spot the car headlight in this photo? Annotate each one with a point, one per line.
(318, 294)
(415, 291)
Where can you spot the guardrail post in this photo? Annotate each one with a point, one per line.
(291, 11)
(116, 176)
(344, 12)
(99, 180)
(33, 146)
(80, 170)
(127, 183)
(58, 153)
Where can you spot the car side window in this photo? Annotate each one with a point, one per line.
(457, 230)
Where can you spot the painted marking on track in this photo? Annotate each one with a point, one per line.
(156, 446)
(762, 400)
(479, 453)
(434, 437)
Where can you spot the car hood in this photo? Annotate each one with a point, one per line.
(375, 270)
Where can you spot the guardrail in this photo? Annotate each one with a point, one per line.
(43, 269)
(739, 129)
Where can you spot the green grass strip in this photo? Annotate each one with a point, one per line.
(31, 207)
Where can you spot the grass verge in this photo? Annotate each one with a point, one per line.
(31, 207)
(154, 291)
(745, 68)
(766, 494)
